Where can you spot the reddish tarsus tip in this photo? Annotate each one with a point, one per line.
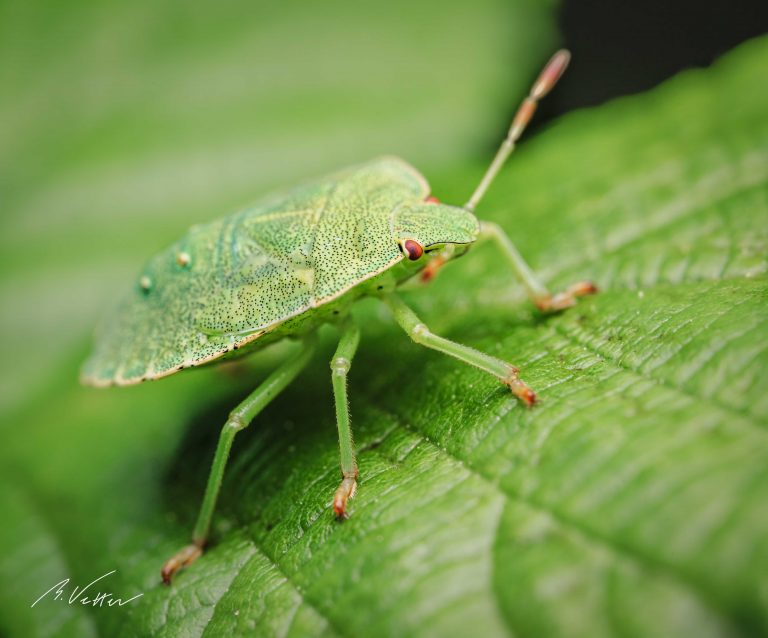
(529, 398)
(431, 269)
(340, 508)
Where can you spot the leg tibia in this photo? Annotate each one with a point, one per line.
(537, 291)
(421, 334)
(239, 418)
(340, 365)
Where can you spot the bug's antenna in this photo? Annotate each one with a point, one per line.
(543, 85)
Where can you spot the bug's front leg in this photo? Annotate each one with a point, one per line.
(421, 334)
(340, 365)
(238, 419)
(537, 291)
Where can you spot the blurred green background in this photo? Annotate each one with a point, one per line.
(629, 503)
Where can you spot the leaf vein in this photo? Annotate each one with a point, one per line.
(637, 557)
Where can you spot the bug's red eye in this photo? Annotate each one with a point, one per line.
(413, 249)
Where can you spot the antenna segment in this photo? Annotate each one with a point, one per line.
(543, 85)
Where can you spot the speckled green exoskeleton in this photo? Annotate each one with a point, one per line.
(284, 267)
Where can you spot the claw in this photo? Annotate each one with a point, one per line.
(345, 492)
(183, 558)
(563, 300)
(520, 388)
(582, 288)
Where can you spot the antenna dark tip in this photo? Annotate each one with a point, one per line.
(543, 85)
(551, 74)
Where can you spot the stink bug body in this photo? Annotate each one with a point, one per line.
(285, 267)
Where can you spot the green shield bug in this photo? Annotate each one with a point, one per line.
(283, 268)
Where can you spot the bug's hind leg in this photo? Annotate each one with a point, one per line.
(340, 364)
(421, 334)
(537, 291)
(238, 419)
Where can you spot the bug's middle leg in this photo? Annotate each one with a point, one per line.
(340, 365)
(537, 291)
(421, 334)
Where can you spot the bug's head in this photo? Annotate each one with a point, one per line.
(427, 230)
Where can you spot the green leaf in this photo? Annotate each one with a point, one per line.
(631, 501)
